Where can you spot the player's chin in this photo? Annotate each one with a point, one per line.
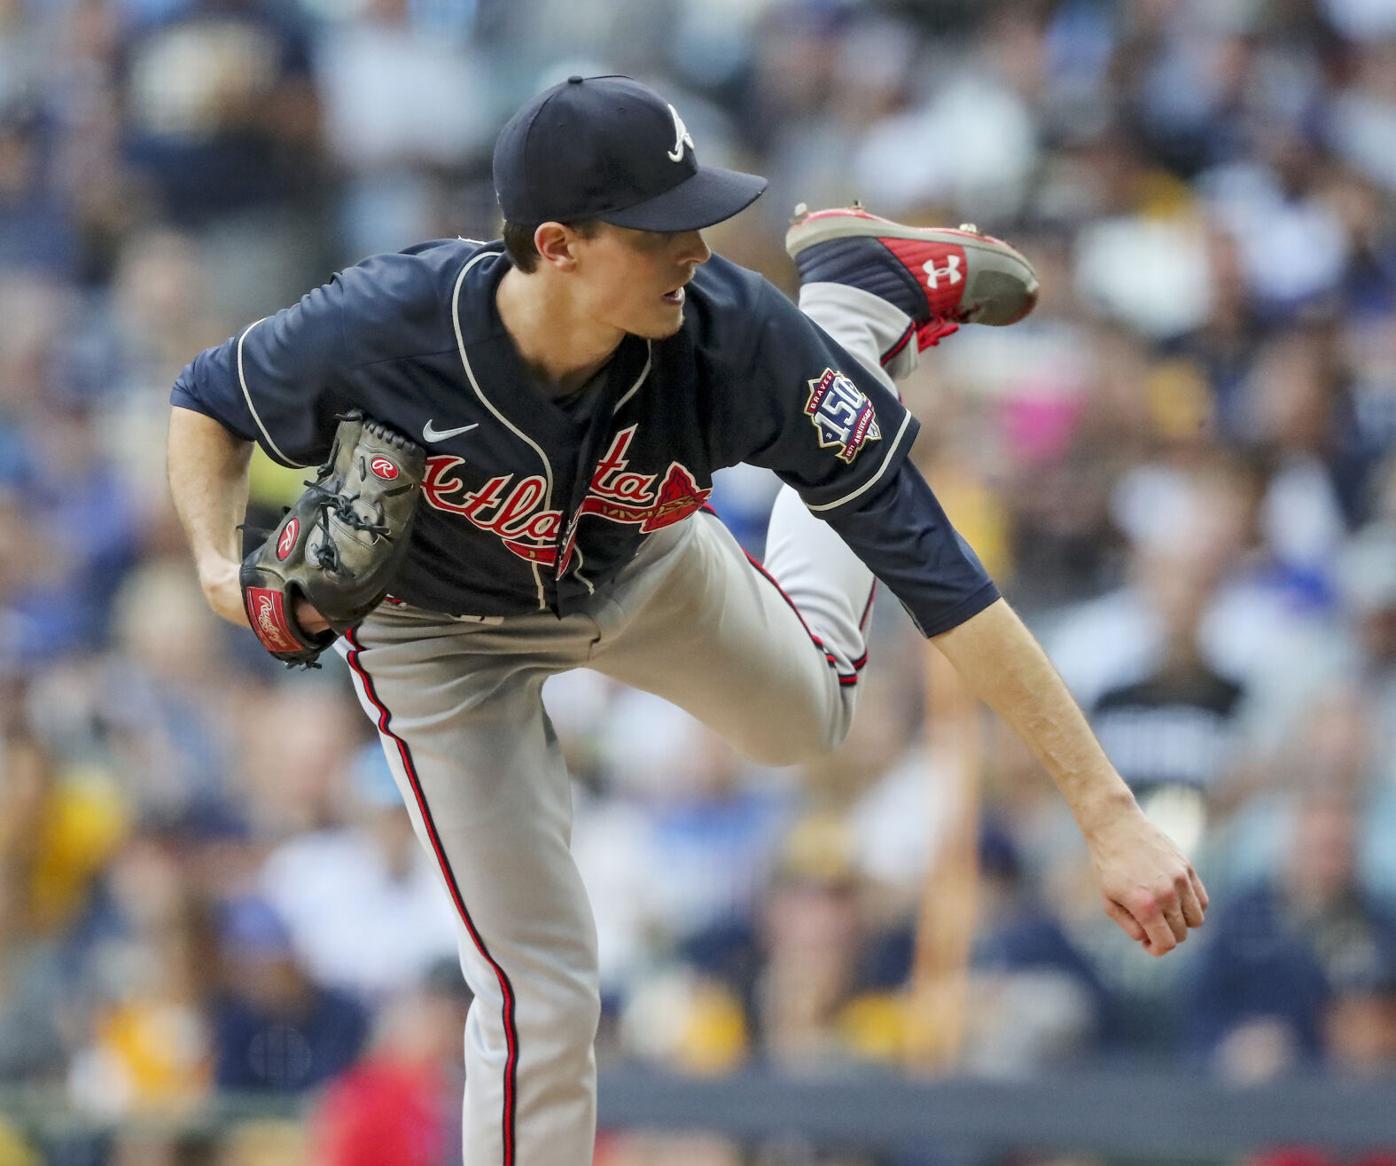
(660, 325)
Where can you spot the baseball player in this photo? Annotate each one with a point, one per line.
(573, 388)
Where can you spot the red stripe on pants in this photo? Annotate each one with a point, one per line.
(511, 1035)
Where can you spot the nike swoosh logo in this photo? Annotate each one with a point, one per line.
(432, 434)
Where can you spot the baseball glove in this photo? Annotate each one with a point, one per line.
(340, 545)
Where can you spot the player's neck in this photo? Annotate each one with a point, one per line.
(562, 348)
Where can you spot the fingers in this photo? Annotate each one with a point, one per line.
(1193, 903)
(1177, 926)
(1198, 889)
(310, 620)
(1152, 914)
(1151, 890)
(1161, 922)
(1126, 921)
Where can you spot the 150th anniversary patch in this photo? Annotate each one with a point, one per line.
(841, 414)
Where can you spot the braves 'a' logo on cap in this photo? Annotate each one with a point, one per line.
(681, 137)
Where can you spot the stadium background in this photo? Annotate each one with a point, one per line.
(217, 941)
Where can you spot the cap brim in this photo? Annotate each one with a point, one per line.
(708, 196)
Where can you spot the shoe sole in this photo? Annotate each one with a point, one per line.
(1000, 273)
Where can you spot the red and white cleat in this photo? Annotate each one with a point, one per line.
(941, 278)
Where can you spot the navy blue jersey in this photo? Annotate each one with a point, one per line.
(529, 505)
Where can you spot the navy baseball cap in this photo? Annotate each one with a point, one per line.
(612, 149)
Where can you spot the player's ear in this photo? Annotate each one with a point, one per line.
(556, 245)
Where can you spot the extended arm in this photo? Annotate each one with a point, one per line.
(901, 532)
(1150, 889)
(207, 468)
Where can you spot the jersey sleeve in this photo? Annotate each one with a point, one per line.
(900, 531)
(834, 432)
(814, 415)
(279, 382)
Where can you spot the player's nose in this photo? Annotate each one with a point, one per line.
(693, 248)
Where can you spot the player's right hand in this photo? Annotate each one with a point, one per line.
(1151, 890)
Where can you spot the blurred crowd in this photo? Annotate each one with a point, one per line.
(1181, 469)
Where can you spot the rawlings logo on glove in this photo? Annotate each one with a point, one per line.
(340, 545)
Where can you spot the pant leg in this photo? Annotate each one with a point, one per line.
(460, 715)
(767, 656)
(692, 620)
(865, 324)
(827, 581)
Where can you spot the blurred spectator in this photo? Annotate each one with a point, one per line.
(1197, 527)
(160, 699)
(1175, 731)
(1294, 407)
(805, 999)
(379, 71)
(1034, 998)
(36, 229)
(692, 839)
(57, 473)
(1367, 578)
(399, 1105)
(1277, 953)
(143, 950)
(1359, 1025)
(1292, 248)
(32, 1045)
(969, 144)
(221, 116)
(363, 901)
(274, 1029)
(291, 775)
(1363, 112)
(807, 983)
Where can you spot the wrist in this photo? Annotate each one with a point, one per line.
(215, 572)
(1105, 808)
(219, 581)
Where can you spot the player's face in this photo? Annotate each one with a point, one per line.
(634, 280)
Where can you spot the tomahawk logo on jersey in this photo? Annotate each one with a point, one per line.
(527, 506)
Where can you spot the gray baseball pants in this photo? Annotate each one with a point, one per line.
(766, 656)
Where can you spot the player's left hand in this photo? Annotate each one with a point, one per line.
(1151, 890)
(309, 617)
(330, 561)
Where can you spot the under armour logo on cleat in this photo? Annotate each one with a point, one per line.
(950, 272)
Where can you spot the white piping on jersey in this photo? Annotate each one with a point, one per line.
(577, 570)
(640, 380)
(251, 408)
(882, 469)
(514, 429)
